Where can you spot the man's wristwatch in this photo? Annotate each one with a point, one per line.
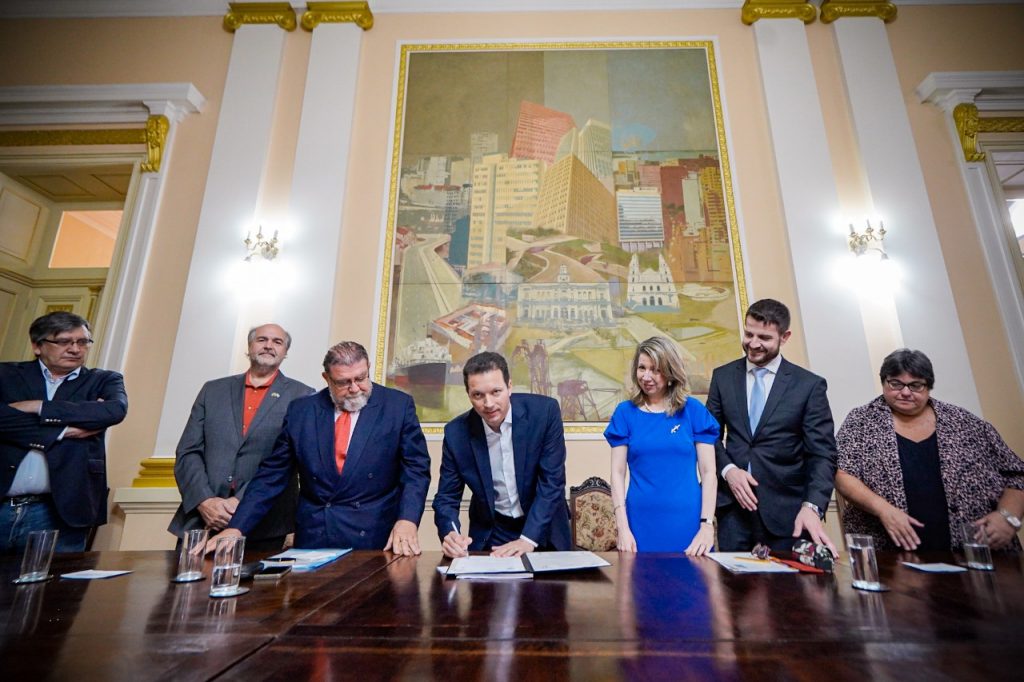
(1010, 519)
(709, 521)
(814, 508)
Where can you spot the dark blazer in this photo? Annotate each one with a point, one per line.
(385, 477)
(792, 453)
(214, 459)
(538, 445)
(78, 466)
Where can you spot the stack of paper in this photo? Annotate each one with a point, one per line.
(511, 568)
(304, 560)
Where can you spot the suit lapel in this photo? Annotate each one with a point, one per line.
(368, 418)
(68, 389)
(32, 375)
(739, 396)
(779, 386)
(478, 441)
(324, 418)
(520, 433)
(237, 405)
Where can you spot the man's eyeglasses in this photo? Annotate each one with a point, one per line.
(914, 386)
(345, 383)
(67, 343)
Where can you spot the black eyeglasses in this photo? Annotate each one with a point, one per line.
(67, 343)
(914, 386)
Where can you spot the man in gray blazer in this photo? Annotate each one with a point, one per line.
(234, 423)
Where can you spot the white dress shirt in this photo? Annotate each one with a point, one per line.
(503, 470)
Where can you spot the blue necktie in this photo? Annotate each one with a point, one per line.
(757, 398)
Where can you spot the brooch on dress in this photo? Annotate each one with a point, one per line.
(674, 428)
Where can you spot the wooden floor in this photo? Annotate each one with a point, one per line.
(370, 616)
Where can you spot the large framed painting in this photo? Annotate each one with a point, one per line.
(556, 203)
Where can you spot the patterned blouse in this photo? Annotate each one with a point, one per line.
(976, 465)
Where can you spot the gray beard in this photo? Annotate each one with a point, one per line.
(354, 404)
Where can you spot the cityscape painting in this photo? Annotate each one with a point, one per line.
(556, 204)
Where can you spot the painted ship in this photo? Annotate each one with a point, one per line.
(423, 363)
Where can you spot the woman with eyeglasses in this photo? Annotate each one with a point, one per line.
(915, 469)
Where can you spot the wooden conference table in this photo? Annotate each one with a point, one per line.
(372, 616)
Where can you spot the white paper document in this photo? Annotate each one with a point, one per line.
(485, 565)
(542, 562)
(936, 568)
(304, 560)
(93, 575)
(495, 577)
(743, 562)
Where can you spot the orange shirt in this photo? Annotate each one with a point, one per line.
(252, 399)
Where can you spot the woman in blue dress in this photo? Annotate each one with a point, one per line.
(664, 436)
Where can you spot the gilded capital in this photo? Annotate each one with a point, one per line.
(156, 137)
(280, 13)
(357, 13)
(837, 9)
(777, 9)
(969, 125)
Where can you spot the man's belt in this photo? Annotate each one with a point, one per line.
(19, 500)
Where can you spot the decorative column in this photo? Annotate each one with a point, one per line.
(319, 177)
(924, 302)
(836, 344)
(964, 97)
(207, 343)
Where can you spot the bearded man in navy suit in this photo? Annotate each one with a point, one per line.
(361, 459)
(54, 414)
(509, 450)
(777, 456)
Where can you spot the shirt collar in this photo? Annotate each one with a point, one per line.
(772, 366)
(501, 427)
(70, 376)
(249, 384)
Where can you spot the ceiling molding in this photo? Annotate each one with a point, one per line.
(988, 90)
(83, 9)
(123, 103)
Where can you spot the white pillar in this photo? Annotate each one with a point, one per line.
(924, 302)
(208, 344)
(318, 191)
(829, 308)
(946, 91)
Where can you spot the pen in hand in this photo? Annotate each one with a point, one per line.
(459, 533)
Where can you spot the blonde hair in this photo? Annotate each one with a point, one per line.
(667, 359)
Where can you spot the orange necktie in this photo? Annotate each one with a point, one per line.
(342, 427)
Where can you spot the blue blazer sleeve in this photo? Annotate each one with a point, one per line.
(550, 497)
(448, 497)
(110, 408)
(270, 481)
(415, 477)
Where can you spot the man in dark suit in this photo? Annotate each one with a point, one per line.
(232, 428)
(362, 463)
(54, 413)
(510, 451)
(777, 455)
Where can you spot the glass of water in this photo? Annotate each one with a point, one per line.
(863, 562)
(35, 564)
(976, 547)
(227, 567)
(193, 551)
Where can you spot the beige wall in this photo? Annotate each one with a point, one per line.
(197, 50)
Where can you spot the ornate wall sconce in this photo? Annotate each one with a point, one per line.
(262, 247)
(862, 243)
